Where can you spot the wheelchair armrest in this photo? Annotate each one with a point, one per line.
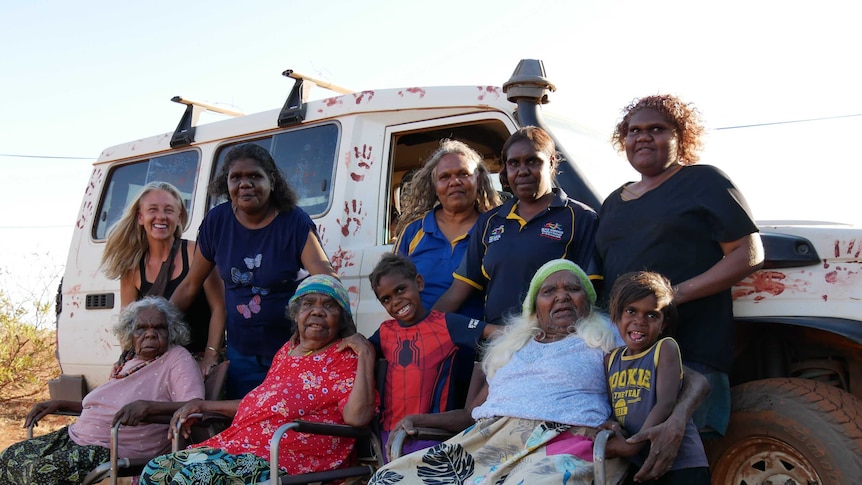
(343, 430)
(599, 445)
(55, 413)
(116, 462)
(312, 428)
(203, 420)
(401, 435)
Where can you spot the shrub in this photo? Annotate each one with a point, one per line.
(26, 351)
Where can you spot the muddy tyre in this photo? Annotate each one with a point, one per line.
(789, 431)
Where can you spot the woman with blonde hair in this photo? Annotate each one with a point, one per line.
(145, 250)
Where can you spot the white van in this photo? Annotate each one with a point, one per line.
(798, 363)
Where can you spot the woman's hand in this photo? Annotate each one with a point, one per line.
(407, 425)
(207, 362)
(181, 416)
(665, 439)
(41, 409)
(132, 414)
(359, 344)
(361, 404)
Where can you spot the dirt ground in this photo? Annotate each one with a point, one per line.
(12, 416)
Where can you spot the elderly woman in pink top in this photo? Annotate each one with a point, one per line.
(154, 375)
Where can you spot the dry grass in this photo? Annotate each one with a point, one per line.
(12, 419)
(13, 412)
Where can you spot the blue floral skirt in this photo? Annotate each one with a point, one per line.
(205, 466)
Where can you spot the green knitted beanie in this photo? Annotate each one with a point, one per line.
(550, 268)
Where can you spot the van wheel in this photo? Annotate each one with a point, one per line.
(789, 431)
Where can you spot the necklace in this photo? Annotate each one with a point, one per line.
(309, 352)
(306, 354)
(117, 369)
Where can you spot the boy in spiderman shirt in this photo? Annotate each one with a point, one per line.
(419, 346)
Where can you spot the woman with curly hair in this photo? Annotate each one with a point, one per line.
(155, 375)
(262, 245)
(688, 222)
(446, 197)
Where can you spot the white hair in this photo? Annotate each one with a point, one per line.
(592, 328)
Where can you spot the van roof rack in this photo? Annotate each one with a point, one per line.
(293, 111)
(184, 135)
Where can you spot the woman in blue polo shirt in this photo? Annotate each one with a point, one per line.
(510, 242)
(446, 197)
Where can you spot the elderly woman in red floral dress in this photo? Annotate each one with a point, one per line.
(325, 373)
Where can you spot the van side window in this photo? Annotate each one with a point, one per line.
(126, 181)
(307, 158)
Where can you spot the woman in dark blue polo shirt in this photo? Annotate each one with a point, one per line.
(510, 242)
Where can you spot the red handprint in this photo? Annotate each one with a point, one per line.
(488, 91)
(360, 97)
(363, 162)
(353, 217)
(341, 259)
(321, 234)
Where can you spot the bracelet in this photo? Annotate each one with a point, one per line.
(212, 348)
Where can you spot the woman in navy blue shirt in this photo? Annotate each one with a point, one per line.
(262, 244)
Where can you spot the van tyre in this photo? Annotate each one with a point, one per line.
(789, 431)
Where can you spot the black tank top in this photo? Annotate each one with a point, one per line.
(198, 314)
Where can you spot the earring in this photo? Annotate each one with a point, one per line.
(540, 336)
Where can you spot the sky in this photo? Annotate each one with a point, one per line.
(77, 77)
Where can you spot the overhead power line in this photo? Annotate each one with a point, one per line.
(62, 226)
(13, 155)
(787, 122)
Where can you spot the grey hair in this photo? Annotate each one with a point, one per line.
(178, 330)
(592, 328)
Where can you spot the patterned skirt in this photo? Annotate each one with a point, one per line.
(205, 466)
(51, 458)
(504, 450)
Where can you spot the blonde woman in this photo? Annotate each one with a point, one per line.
(146, 243)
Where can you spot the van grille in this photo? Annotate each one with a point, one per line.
(101, 301)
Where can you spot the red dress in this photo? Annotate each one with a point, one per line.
(313, 388)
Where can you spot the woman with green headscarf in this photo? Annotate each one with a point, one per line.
(543, 400)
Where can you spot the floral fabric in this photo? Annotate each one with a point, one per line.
(205, 465)
(312, 388)
(504, 450)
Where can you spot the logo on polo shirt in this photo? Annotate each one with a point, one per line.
(553, 230)
(496, 234)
